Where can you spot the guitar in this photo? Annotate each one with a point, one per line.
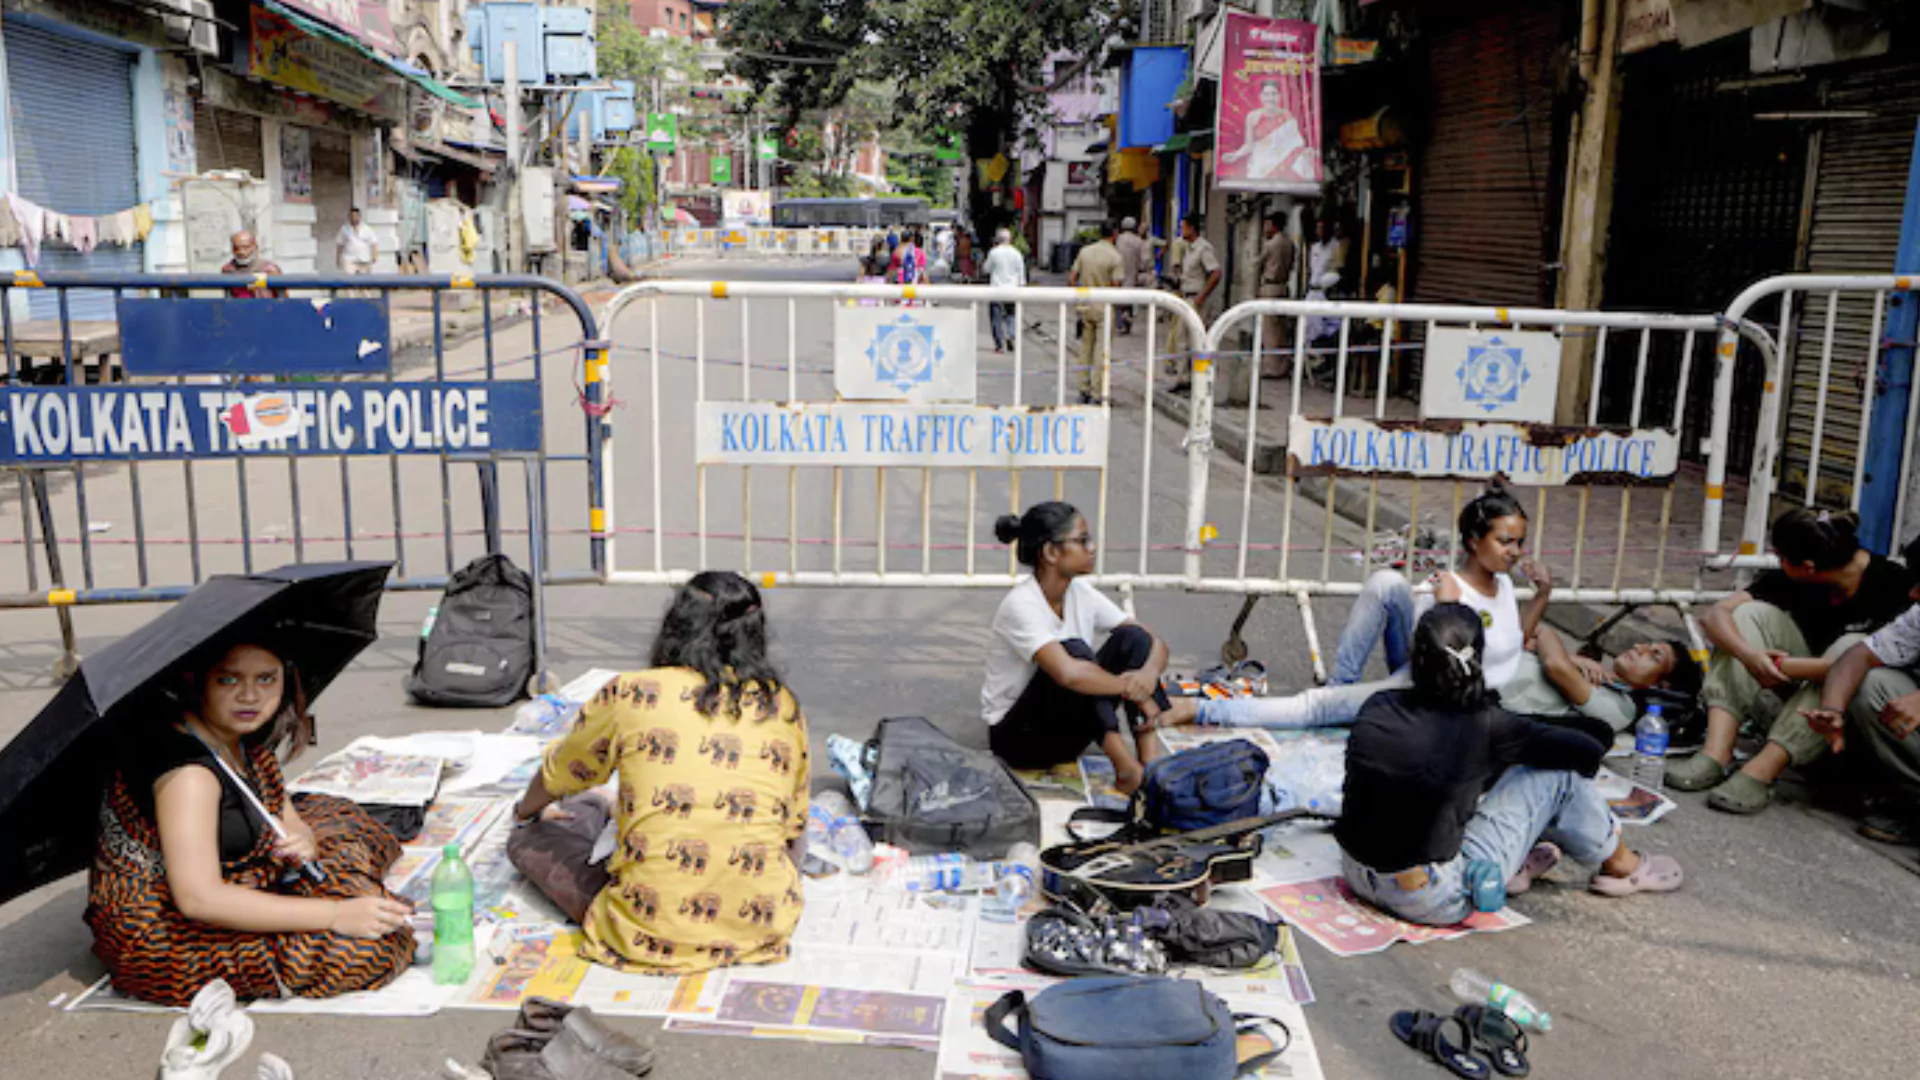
(1129, 872)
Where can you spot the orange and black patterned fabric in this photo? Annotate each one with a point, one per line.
(157, 954)
(708, 804)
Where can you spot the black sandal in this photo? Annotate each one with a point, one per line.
(1426, 1032)
(1504, 1040)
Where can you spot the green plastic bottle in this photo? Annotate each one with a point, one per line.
(452, 918)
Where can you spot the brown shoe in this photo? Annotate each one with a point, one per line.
(516, 1055)
(541, 1016)
(568, 1057)
(623, 1051)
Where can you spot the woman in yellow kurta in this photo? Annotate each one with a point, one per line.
(711, 755)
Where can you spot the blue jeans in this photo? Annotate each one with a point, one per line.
(1523, 807)
(1005, 330)
(1382, 613)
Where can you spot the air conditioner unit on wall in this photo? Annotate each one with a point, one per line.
(196, 28)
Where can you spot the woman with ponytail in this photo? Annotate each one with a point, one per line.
(1784, 632)
(1493, 535)
(1048, 692)
(1414, 822)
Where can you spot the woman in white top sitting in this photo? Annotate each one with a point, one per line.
(1493, 535)
(1048, 691)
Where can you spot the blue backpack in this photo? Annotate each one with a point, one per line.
(1193, 789)
(1128, 1028)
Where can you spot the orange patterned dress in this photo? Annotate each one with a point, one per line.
(701, 877)
(157, 954)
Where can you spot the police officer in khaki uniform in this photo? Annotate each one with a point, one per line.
(1277, 256)
(1098, 266)
(1199, 277)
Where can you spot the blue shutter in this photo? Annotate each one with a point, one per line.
(72, 110)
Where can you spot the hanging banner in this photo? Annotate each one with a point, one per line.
(281, 53)
(1268, 125)
(663, 131)
(367, 20)
(1526, 454)
(720, 170)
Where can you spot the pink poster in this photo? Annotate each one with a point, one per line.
(1268, 128)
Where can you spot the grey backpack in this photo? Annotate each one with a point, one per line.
(479, 653)
(930, 794)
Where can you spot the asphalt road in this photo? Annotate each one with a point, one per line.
(1791, 952)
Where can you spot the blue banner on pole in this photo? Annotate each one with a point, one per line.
(58, 425)
(255, 337)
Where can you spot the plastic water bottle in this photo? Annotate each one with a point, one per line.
(833, 826)
(1650, 749)
(547, 713)
(947, 872)
(1015, 879)
(1472, 986)
(1486, 885)
(452, 918)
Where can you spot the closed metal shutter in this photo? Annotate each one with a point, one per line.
(1706, 201)
(1859, 198)
(224, 139)
(1487, 220)
(73, 151)
(332, 193)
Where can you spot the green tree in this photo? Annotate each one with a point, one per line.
(981, 67)
(623, 51)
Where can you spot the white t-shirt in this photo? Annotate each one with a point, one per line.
(1500, 614)
(1005, 268)
(1025, 624)
(1897, 644)
(356, 245)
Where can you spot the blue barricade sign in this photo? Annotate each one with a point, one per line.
(54, 425)
(255, 337)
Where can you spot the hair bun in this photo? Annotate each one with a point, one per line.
(1006, 528)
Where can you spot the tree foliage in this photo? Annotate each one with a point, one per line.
(978, 67)
(624, 51)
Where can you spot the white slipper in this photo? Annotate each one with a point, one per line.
(224, 1044)
(211, 1005)
(273, 1067)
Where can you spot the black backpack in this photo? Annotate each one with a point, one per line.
(479, 653)
(930, 794)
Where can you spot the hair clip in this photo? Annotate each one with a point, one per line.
(1825, 518)
(1462, 656)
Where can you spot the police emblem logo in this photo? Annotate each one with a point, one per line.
(1492, 374)
(905, 353)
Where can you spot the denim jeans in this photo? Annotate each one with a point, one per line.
(1523, 807)
(1005, 329)
(1382, 613)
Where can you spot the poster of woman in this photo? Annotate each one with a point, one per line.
(1269, 119)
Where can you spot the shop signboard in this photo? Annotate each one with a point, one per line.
(367, 20)
(281, 53)
(1268, 124)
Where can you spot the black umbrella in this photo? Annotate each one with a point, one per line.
(317, 615)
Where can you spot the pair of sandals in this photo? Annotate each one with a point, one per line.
(1481, 1026)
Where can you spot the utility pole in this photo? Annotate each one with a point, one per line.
(516, 241)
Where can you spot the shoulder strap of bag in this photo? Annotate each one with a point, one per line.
(1247, 1024)
(1012, 1002)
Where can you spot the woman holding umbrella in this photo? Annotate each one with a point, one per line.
(191, 883)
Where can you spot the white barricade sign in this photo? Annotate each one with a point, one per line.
(1502, 375)
(894, 354)
(1525, 455)
(936, 436)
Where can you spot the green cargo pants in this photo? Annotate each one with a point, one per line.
(1732, 687)
(1896, 760)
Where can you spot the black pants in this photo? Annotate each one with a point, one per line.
(1050, 724)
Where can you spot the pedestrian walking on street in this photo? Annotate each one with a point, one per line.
(1199, 277)
(1005, 270)
(1128, 242)
(1098, 266)
(356, 249)
(1277, 257)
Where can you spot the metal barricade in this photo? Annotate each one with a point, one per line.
(176, 463)
(1659, 354)
(1821, 319)
(824, 530)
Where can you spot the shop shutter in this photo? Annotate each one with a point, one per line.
(1860, 192)
(224, 139)
(1486, 223)
(73, 151)
(333, 195)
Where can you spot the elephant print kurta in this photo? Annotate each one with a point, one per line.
(701, 876)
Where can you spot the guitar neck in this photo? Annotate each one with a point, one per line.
(1227, 831)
